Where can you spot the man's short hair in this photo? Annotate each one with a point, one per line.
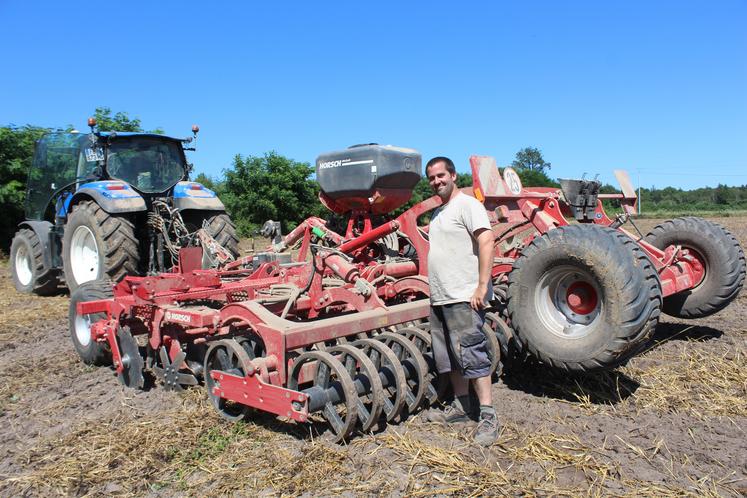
(441, 159)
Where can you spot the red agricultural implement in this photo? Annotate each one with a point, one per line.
(341, 330)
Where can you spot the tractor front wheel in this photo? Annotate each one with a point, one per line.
(583, 297)
(27, 267)
(98, 245)
(716, 251)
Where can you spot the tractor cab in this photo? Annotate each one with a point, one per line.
(63, 162)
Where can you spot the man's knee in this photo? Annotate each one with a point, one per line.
(468, 342)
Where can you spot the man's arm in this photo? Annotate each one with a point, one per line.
(484, 239)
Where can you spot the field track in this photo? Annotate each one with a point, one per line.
(672, 422)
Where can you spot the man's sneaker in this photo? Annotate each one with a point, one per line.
(452, 414)
(487, 429)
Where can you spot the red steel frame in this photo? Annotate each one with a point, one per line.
(373, 294)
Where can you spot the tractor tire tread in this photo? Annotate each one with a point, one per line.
(731, 262)
(641, 293)
(220, 227)
(45, 282)
(224, 231)
(121, 255)
(93, 290)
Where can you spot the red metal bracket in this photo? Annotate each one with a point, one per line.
(250, 390)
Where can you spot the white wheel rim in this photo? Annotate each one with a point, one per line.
(83, 329)
(84, 255)
(554, 311)
(24, 273)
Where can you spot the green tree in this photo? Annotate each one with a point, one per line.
(118, 122)
(535, 178)
(721, 195)
(530, 158)
(214, 184)
(269, 187)
(16, 153)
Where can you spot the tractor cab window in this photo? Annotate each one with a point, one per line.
(88, 162)
(148, 164)
(54, 169)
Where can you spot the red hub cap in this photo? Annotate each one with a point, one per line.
(697, 265)
(581, 298)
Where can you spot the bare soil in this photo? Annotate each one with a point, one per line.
(670, 423)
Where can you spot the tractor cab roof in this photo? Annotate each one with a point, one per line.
(113, 135)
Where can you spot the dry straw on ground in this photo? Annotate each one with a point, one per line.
(184, 448)
(686, 379)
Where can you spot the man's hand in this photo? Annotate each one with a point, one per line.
(477, 301)
(484, 239)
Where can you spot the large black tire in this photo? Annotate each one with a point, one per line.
(719, 253)
(91, 352)
(220, 227)
(583, 297)
(114, 237)
(27, 268)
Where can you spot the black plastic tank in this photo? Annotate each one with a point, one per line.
(361, 171)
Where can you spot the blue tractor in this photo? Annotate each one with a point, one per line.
(105, 204)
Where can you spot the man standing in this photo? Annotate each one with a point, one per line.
(459, 264)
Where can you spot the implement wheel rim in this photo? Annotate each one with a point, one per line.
(569, 301)
(698, 265)
(83, 329)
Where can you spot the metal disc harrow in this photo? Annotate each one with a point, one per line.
(354, 385)
(337, 328)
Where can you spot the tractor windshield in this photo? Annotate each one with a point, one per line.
(149, 164)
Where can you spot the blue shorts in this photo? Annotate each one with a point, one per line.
(458, 340)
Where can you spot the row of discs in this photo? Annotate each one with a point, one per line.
(357, 382)
(387, 374)
(364, 380)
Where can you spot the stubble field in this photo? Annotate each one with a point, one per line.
(670, 423)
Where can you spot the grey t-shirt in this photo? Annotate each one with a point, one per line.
(453, 266)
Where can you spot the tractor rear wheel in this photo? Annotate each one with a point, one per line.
(719, 254)
(27, 267)
(90, 351)
(583, 297)
(98, 245)
(219, 226)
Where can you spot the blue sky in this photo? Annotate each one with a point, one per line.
(658, 88)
